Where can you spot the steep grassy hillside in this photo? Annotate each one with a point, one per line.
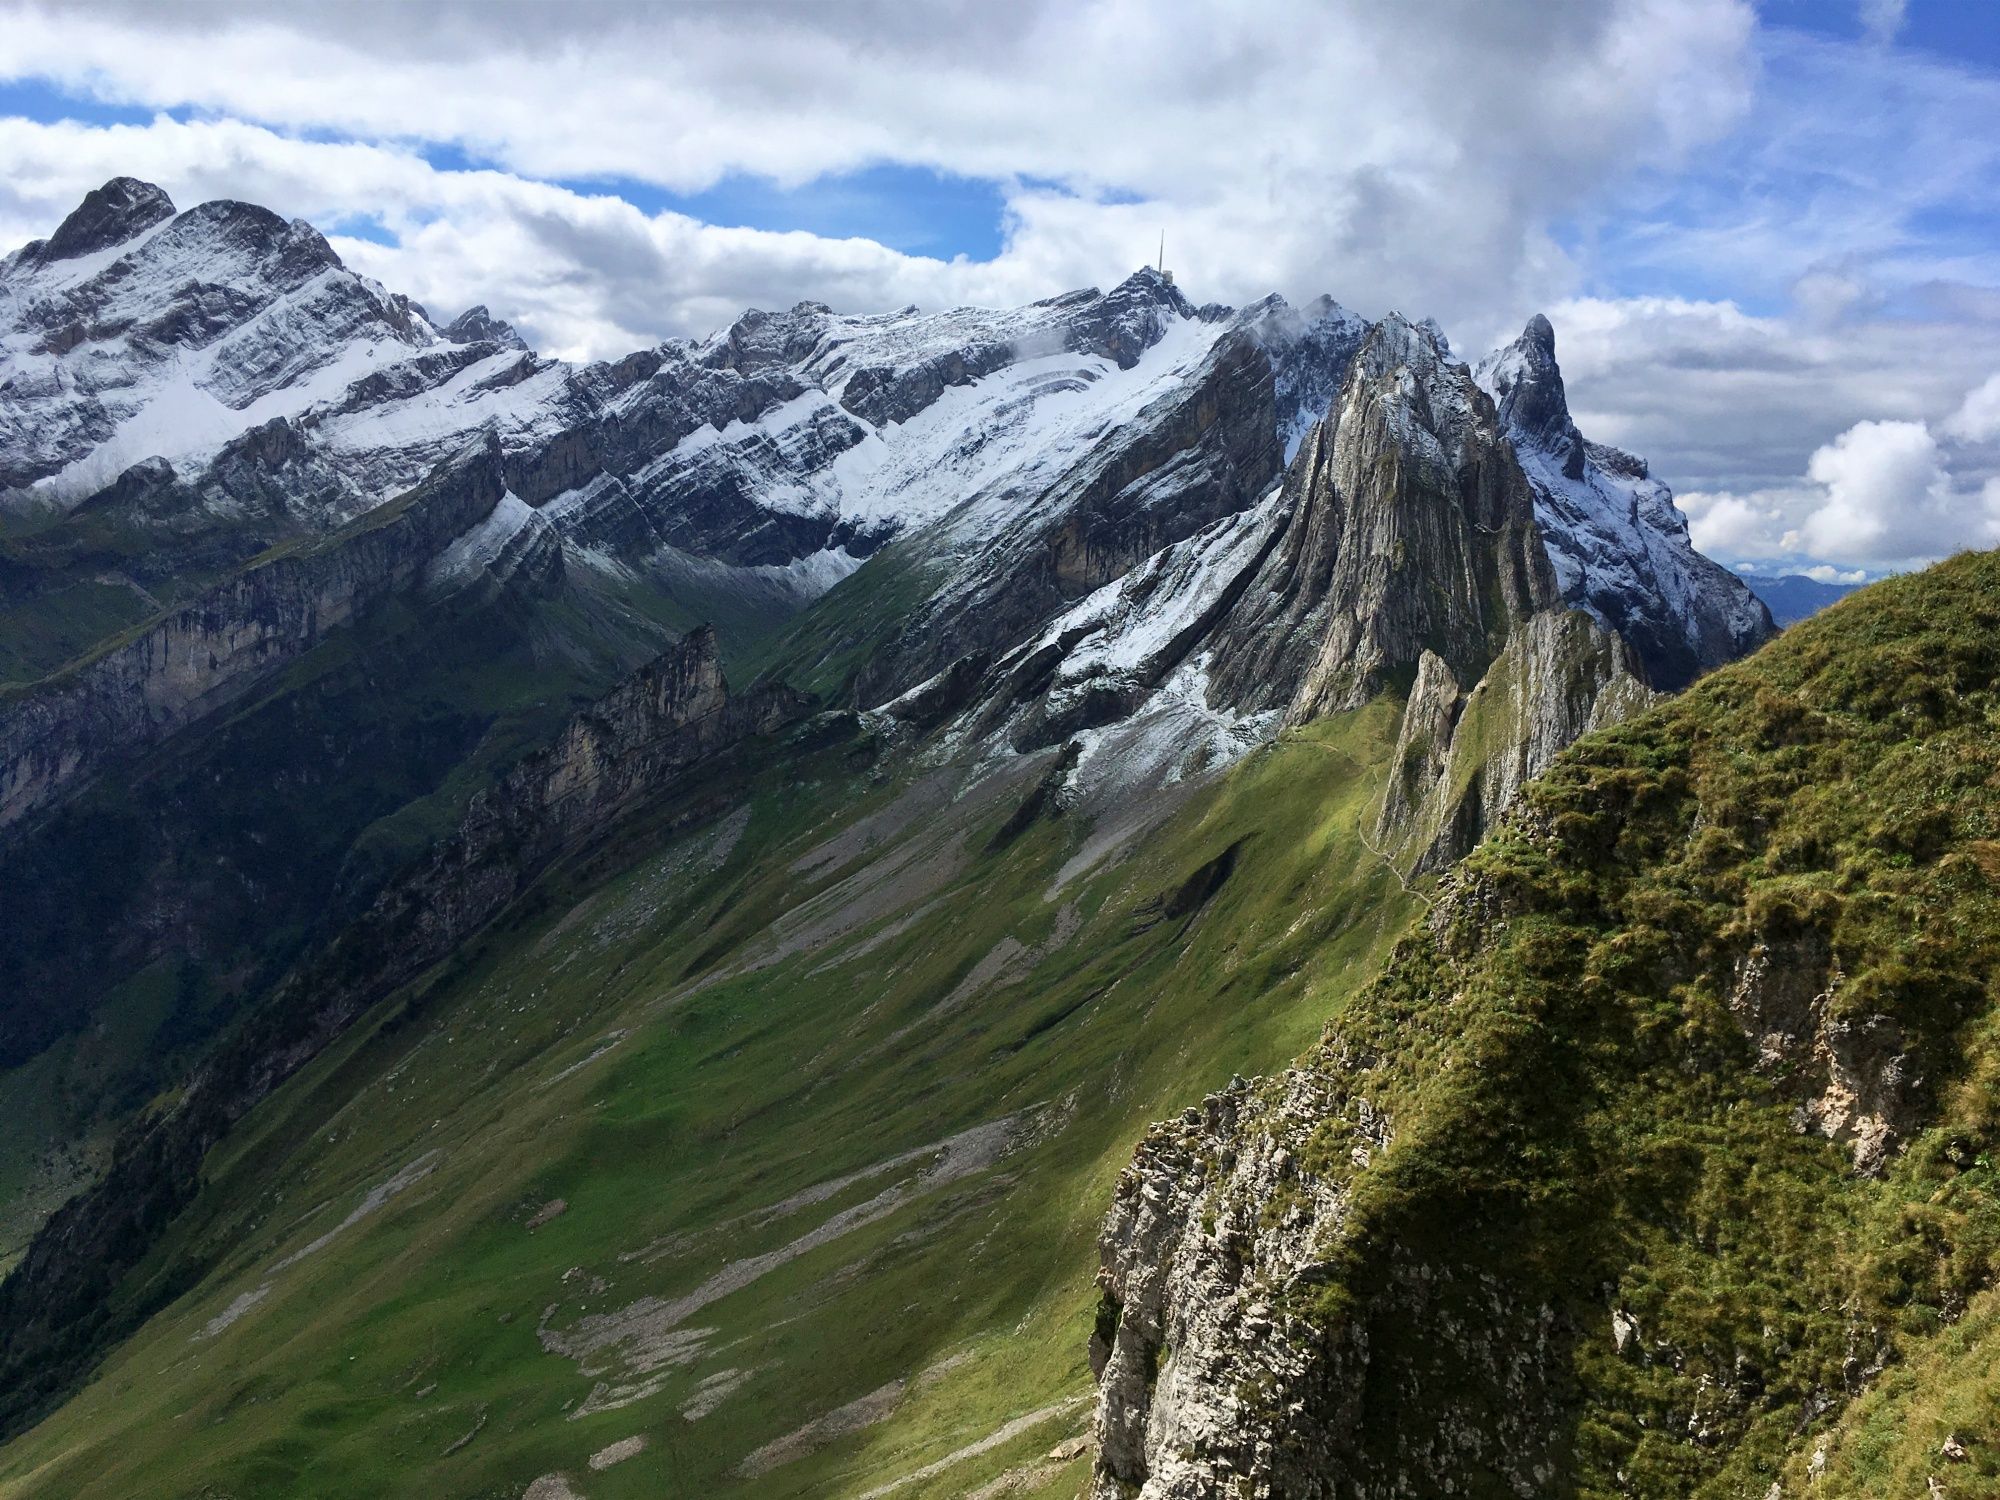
(781, 1147)
(1661, 1162)
(144, 914)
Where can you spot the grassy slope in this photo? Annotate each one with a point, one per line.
(337, 770)
(231, 841)
(1580, 1123)
(731, 1090)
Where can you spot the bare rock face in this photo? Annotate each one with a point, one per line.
(108, 216)
(1400, 555)
(55, 736)
(632, 742)
(1438, 549)
(1853, 1076)
(1619, 544)
(1463, 757)
(1414, 564)
(1192, 1357)
(478, 326)
(1216, 1376)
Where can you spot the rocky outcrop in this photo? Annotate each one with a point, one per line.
(478, 326)
(1416, 566)
(674, 712)
(1461, 758)
(1652, 1161)
(1619, 544)
(1437, 549)
(628, 748)
(1400, 556)
(109, 215)
(1218, 1376)
(1853, 1076)
(59, 733)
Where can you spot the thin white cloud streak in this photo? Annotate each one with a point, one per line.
(1881, 20)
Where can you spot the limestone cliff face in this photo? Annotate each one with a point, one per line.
(1463, 756)
(611, 756)
(1412, 563)
(1216, 1377)
(57, 734)
(1437, 547)
(1400, 556)
(1442, 589)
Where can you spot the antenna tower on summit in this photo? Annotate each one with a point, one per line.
(1160, 265)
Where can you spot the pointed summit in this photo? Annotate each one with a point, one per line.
(108, 216)
(1132, 317)
(1527, 384)
(1619, 544)
(476, 325)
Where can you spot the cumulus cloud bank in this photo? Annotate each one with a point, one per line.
(1650, 172)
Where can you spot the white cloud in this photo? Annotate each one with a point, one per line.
(1887, 496)
(1977, 419)
(1409, 156)
(1830, 295)
(1733, 526)
(1826, 573)
(582, 274)
(1473, 162)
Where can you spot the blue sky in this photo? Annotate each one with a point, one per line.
(1767, 234)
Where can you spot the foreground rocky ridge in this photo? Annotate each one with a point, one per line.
(1652, 1157)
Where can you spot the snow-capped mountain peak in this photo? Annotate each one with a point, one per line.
(1619, 543)
(781, 450)
(110, 215)
(137, 332)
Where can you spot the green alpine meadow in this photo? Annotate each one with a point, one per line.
(698, 800)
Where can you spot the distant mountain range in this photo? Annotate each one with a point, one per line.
(1792, 596)
(629, 916)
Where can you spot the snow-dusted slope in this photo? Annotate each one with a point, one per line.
(1619, 543)
(796, 442)
(262, 387)
(135, 332)
(267, 388)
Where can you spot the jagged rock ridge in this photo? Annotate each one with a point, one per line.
(634, 746)
(1400, 555)
(1619, 544)
(1603, 1185)
(200, 657)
